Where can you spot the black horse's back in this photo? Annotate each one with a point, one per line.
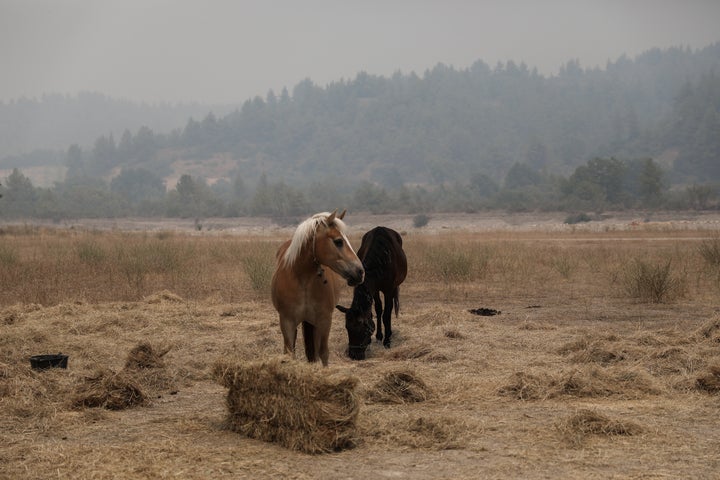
(381, 252)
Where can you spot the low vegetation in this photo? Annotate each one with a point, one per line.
(574, 376)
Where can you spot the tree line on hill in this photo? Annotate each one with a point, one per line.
(640, 133)
(600, 185)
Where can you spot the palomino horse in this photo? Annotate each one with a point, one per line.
(385, 269)
(303, 290)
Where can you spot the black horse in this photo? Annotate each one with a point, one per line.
(385, 265)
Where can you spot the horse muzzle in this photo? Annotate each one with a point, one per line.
(356, 352)
(355, 276)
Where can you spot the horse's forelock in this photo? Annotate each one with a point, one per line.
(305, 231)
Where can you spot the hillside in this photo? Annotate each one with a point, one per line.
(449, 139)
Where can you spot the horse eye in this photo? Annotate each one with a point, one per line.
(338, 242)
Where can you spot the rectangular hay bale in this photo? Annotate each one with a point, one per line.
(291, 403)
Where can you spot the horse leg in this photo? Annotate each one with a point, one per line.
(289, 331)
(378, 315)
(387, 318)
(321, 341)
(311, 347)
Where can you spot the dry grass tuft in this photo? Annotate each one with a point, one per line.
(526, 386)
(530, 326)
(605, 382)
(672, 360)
(710, 330)
(591, 422)
(710, 382)
(291, 403)
(431, 433)
(410, 352)
(145, 356)
(163, 296)
(108, 389)
(596, 353)
(588, 381)
(414, 351)
(454, 333)
(400, 386)
(419, 432)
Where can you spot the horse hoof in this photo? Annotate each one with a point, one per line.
(386, 344)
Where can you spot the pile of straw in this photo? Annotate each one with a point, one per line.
(144, 370)
(145, 356)
(108, 389)
(291, 403)
(710, 382)
(587, 381)
(587, 422)
(399, 386)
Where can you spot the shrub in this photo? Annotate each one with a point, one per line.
(8, 255)
(655, 283)
(577, 218)
(564, 265)
(710, 252)
(259, 271)
(420, 220)
(91, 253)
(451, 264)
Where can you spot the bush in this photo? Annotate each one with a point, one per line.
(710, 252)
(655, 283)
(577, 218)
(420, 220)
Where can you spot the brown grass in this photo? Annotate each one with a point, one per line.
(399, 386)
(588, 383)
(591, 422)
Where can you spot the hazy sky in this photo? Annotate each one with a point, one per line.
(230, 50)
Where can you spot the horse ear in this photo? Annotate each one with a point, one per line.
(342, 309)
(342, 214)
(331, 217)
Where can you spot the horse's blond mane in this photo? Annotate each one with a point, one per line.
(304, 232)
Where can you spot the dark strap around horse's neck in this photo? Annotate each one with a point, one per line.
(320, 269)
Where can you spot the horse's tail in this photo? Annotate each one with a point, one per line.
(309, 340)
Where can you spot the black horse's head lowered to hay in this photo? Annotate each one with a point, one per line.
(385, 265)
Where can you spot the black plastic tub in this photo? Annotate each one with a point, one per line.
(43, 362)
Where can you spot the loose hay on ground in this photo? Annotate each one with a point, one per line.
(145, 356)
(399, 386)
(108, 389)
(710, 382)
(526, 386)
(291, 403)
(586, 381)
(710, 330)
(438, 433)
(591, 422)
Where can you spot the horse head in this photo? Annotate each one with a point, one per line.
(358, 323)
(332, 249)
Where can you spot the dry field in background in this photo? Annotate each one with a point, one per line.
(579, 376)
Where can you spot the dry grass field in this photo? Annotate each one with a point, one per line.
(604, 361)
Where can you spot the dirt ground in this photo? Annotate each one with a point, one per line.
(567, 381)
